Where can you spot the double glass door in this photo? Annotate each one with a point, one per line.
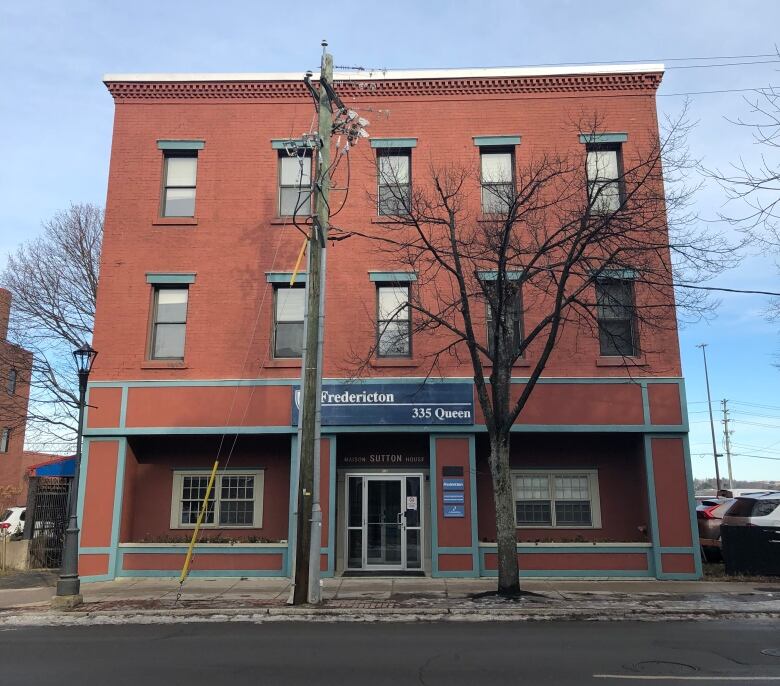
(384, 522)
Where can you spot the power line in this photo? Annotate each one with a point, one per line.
(727, 290)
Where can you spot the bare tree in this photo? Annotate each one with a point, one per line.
(53, 280)
(567, 240)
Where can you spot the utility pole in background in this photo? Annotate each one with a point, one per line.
(309, 524)
(727, 440)
(712, 422)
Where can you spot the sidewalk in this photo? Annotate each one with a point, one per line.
(393, 599)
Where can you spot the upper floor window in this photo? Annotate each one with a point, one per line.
(12, 379)
(394, 179)
(294, 185)
(169, 323)
(394, 323)
(513, 309)
(181, 168)
(604, 173)
(498, 180)
(289, 306)
(616, 317)
(5, 439)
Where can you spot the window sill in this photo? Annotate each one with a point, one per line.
(163, 364)
(394, 362)
(387, 219)
(281, 221)
(284, 363)
(523, 362)
(175, 221)
(604, 361)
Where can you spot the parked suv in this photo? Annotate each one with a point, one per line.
(12, 521)
(758, 509)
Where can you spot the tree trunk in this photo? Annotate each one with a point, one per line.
(506, 538)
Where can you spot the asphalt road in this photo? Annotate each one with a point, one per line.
(351, 654)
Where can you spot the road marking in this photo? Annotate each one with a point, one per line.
(650, 677)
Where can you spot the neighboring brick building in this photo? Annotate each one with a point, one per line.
(197, 334)
(15, 366)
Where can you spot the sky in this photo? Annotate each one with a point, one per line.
(56, 120)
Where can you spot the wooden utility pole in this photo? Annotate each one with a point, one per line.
(703, 347)
(309, 523)
(727, 440)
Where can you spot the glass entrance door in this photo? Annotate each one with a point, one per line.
(384, 522)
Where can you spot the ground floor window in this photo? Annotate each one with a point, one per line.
(557, 499)
(236, 501)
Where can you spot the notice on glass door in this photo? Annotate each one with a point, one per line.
(411, 502)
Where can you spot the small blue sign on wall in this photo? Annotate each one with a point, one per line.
(452, 484)
(453, 497)
(454, 511)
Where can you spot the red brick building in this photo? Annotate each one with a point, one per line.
(15, 366)
(199, 339)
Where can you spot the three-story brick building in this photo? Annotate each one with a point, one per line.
(200, 333)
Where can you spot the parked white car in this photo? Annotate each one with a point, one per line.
(12, 521)
(759, 509)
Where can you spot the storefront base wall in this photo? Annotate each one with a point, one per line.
(168, 561)
(574, 562)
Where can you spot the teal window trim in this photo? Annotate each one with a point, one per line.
(597, 138)
(392, 277)
(170, 278)
(181, 145)
(495, 141)
(284, 277)
(393, 142)
(492, 275)
(282, 143)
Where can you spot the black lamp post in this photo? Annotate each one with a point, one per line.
(69, 584)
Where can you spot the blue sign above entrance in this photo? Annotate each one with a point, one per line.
(389, 404)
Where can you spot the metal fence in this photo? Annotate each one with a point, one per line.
(46, 520)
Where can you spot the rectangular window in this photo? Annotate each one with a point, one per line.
(5, 439)
(394, 332)
(179, 185)
(288, 321)
(294, 185)
(559, 498)
(514, 314)
(498, 180)
(615, 313)
(235, 501)
(12, 378)
(169, 323)
(394, 177)
(603, 169)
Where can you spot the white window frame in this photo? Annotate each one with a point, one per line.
(176, 493)
(593, 489)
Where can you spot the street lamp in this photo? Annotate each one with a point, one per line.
(69, 584)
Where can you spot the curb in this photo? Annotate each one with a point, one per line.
(262, 615)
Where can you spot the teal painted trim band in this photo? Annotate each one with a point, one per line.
(492, 275)
(684, 406)
(123, 408)
(692, 506)
(82, 488)
(292, 527)
(116, 518)
(433, 507)
(495, 141)
(105, 550)
(392, 276)
(169, 278)
(95, 578)
(570, 549)
(284, 277)
(473, 501)
(282, 143)
(457, 574)
(597, 138)
(181, 145)
(393, 142)
(652, 506)
(463, 550)
(678, 550)
(645, 404)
